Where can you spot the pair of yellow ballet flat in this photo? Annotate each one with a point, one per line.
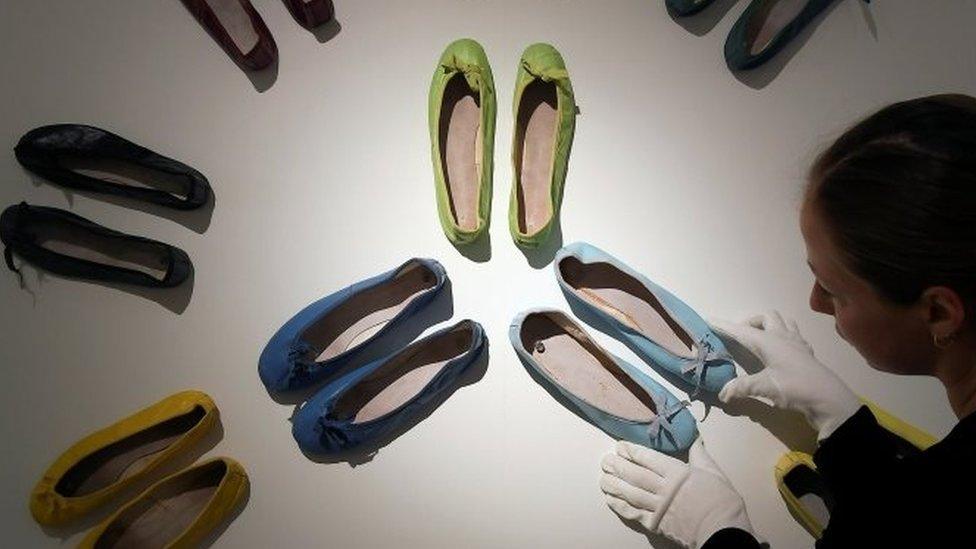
(179, 510)
(796, 474)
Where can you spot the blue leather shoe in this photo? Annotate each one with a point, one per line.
(371, 404)
(658, 326)
(328, 336)
(766, 27)
(602, 388)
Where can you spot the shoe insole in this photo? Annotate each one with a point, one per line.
(619, 294)
(66, 239)
(125, 457)
(403, 377)
(460, 146)
(807, 485)
(126, 174)
(773, 17)
(579, 367)
(535, 137)
(166, 513)
(360, 317)
(231, 15)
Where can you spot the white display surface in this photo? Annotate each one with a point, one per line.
(678, 168)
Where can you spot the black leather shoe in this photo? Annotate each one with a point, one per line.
(91, 159)
(69, 245)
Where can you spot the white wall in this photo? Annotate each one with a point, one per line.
(686, 172)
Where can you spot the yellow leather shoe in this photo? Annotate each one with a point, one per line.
(125, 455)
(800, 484)
(178, 511)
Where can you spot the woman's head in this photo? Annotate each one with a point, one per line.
(889, 221)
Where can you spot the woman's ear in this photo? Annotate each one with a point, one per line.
(944, 312)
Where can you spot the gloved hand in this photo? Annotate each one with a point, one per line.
(792, 378)
(687, 502)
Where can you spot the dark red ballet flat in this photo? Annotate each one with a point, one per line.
(239, 30)
(310, 13)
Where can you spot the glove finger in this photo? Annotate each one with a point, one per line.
(746, 335)
(627, 512)
(632, 473)
(636, 497)
(773, 321)
(756, 385)
(791, 324)
(662, 464)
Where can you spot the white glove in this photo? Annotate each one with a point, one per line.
(792, 378)
(685, 502)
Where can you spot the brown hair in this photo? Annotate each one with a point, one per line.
(898, 194)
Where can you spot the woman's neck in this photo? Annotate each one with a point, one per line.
(957, 372)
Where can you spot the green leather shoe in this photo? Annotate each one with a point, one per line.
(461, 110)
(545, 118)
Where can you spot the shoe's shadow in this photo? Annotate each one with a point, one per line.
(326, 31)
(197, 220)
(180, 461)
(439, 309)
(791, 428)
(478, 251)
(703, 22)
(174, 299)
(263, 79)
(544, 254)
(366, 453)
(761, 76)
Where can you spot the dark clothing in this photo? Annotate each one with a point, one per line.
(887, 495)
(731, 538)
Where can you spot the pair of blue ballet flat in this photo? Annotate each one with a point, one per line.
(603, 388)
(364, 402)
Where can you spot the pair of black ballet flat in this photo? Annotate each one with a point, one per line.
(90, 159)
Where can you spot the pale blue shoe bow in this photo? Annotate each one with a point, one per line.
(706, 354)
(662, 420)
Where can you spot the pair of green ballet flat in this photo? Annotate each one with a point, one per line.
(462, 109)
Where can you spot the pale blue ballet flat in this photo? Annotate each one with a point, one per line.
(658, 326)
(602, 388)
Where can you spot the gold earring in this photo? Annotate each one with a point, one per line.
(944, 341)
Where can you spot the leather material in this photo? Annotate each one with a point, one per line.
(41, 150)
(311, 13)
(285, 363)
(463, 57)
(542, 62)
(17, 235)
(230, 493)
(50, 507)
(264, 52)
(320, 427)
(676, 427)
(709, 371)
(738, 45)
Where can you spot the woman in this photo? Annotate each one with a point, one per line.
(889, 223)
